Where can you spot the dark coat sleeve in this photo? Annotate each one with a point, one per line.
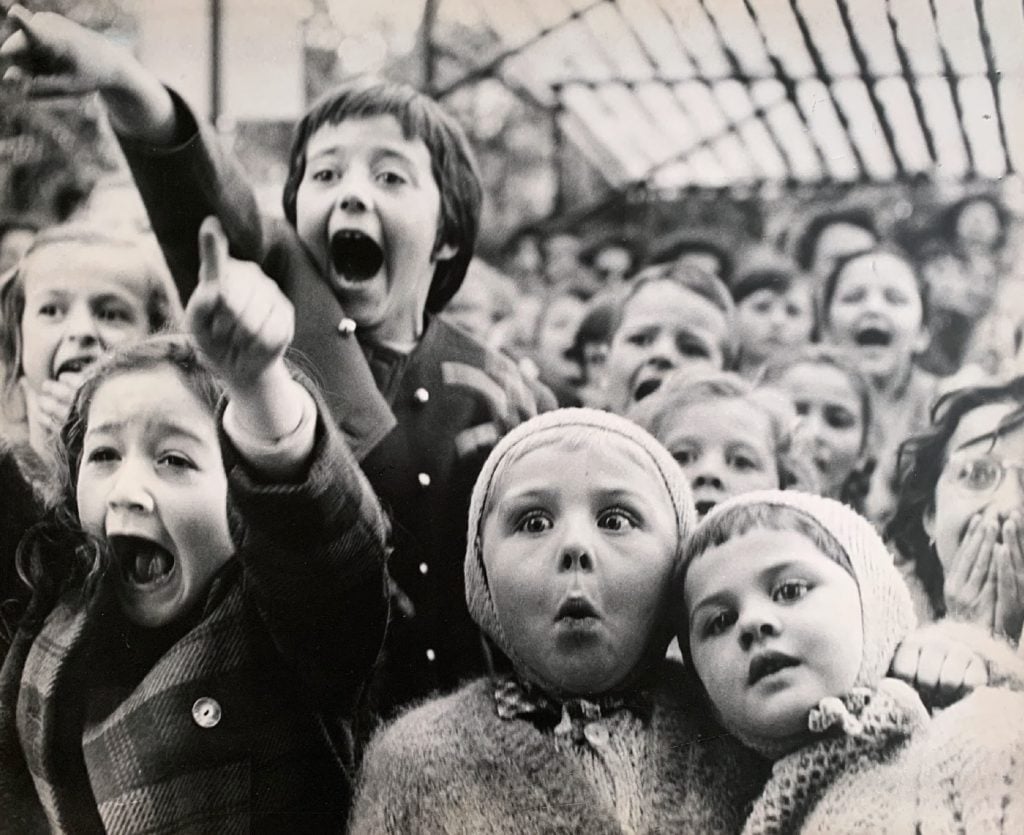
(183, 184)
(313, 556)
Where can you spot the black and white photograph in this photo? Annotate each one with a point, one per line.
(517, 417)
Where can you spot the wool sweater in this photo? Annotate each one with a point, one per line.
(454, 765)
(885, 766)
(245, 722)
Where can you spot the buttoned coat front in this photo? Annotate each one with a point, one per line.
(244, 724)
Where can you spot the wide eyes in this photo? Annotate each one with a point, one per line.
(790, 590)
(535, 521)
(613, 519)
(617, 519)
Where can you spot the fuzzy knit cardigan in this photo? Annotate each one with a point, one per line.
(882, 764)
(453, 765)
(900, 772)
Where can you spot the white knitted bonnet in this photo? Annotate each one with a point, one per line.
(525, 436)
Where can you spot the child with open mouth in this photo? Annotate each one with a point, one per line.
(673, 316)
(876, 307)
(382, 204)
(77, 292)
(208, 595)
(794, 615)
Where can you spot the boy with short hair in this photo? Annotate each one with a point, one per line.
(383, 202)
(794, 615)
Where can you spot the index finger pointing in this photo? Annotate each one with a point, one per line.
(213, 250)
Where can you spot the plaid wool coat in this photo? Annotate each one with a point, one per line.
(245, 723)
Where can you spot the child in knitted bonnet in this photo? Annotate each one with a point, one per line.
(794, 612)
(575, 539)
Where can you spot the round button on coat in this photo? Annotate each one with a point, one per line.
(347, 327)
(206, 712)
(421, 395)
(423, 479)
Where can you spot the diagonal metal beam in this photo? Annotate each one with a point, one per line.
(954, 89)
(908, 75)
(823, 74)
(789, 85)
(994, 77)
(492, 66)
(869, 84)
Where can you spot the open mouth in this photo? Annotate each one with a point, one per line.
(355, 255)
(704, 506)
(143, 563)
(646, 388)
(767, 664)
(874, 337)
(576, 609)
(74, 365)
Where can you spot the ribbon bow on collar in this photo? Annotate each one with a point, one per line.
(515, 699)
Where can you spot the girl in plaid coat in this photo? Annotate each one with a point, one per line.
(208, 598)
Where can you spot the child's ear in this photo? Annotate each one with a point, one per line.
(924, 337)
(445, 252)
(928, 522)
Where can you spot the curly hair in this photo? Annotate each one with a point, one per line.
(684, 388)
(57, 555)
(920, 464)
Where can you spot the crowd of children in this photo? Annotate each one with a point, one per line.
(315, 523)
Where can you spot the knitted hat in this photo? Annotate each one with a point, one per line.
(548, 428)
(887, 613)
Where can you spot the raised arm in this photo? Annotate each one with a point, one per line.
(313, 548)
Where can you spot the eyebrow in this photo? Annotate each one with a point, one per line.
(771, 571)
(164, 426)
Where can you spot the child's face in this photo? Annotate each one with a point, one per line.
(832, 418)
(73, 315)
(579, 548)
(555, 341)
(152, 483)
(368, 211)
(770, 321)
(664, 327)
(876, 312)
(970, 484)
(724, 447)
(775, 627)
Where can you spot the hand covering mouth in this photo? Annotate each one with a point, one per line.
(142, 562)
(74, 365)
(768, 663)
(576, 608)
(874, 337)
(355, 255)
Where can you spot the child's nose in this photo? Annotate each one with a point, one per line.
(707, 477)
(129, 491)
(80, 325)
(576, 549)
(757, 624)
(664, 353)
